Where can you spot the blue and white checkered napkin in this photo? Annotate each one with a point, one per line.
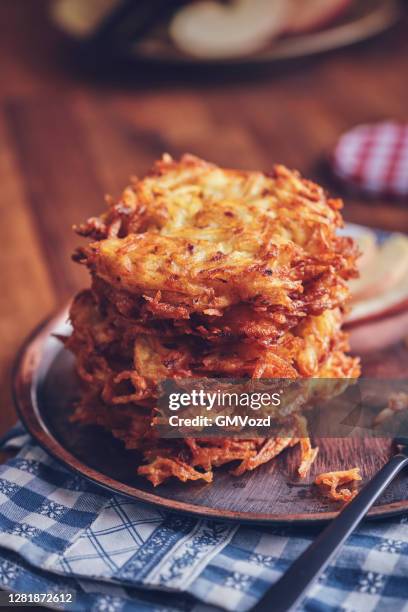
(59, 533)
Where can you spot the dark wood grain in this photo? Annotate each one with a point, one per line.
(59, 179)
(68, 136)
(46, 388)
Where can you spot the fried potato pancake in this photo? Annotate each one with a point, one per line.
(208, 238)
(108, 357)
(197, 272)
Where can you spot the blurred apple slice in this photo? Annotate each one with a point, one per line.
(367, 244)
(210, 30)
(366, 240)
(310, 15)
(383, 286)
(384, 272)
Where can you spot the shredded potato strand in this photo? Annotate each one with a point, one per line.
(330, 481)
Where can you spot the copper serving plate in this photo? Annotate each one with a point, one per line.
(45, 387)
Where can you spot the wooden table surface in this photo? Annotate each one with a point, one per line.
(68, 137)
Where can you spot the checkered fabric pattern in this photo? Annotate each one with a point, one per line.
(374, 159)
(59, 533)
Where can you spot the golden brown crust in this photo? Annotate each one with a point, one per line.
(209, 238)
(102, 343)
(199, 271)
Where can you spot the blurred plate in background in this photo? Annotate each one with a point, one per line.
(147, 31)
(366, 19)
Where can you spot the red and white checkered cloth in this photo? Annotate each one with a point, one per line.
(374, 159)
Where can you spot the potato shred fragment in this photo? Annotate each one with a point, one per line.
(331, 481)
(198, 271)
(397, 402)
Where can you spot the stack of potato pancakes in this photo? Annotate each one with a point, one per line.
(201, 272)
